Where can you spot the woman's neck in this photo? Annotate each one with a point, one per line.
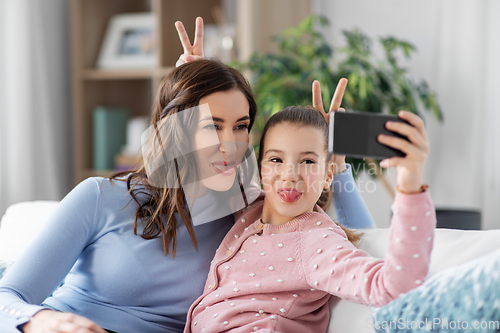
(195, 190)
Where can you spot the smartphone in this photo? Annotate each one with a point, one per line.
(354, 134)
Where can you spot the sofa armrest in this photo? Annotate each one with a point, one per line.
(20, 223)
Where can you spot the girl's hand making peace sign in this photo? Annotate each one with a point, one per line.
(191, 52)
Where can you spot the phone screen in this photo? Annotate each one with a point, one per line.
(354, 134)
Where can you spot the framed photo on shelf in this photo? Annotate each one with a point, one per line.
(129, 42)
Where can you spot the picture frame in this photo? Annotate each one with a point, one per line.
(129, 42)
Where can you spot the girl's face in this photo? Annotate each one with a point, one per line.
(294, 171)
(221, 138)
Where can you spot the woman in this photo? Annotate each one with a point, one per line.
(108, 237)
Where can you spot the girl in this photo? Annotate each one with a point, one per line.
(108, 239)
(278, 265)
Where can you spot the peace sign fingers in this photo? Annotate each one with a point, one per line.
(317, 99)
(336, 100)
(198, 38)
(197, 48)
(186, 44)
(338, 95)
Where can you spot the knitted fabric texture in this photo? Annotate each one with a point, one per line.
(465, 298)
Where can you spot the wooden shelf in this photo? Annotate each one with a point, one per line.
(100, 74)
(135, 90)
(130, 89)
(99, 173)
(159, 73)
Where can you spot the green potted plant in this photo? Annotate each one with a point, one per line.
(375, 85)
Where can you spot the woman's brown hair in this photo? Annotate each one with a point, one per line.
(305, 116)
(180, 89)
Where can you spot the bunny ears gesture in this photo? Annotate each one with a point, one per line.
(191, 52)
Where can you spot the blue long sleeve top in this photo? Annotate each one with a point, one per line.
(115, 278)
(350, 209)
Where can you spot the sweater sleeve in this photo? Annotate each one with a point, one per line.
(48, 259)
(332, 264)
(350, 209)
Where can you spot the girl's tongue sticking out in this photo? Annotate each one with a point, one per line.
(289, 195)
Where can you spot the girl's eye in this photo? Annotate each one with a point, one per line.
(308, 161)
(275, 160)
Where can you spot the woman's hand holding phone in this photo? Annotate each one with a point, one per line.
(191, 52)
(411, 167)
(338, 160)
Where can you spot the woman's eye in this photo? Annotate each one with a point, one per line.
(211, 127)
(242, 127)
(275, 160)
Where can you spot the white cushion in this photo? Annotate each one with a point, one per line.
(22, 221)
(451, 247)
(20, 224)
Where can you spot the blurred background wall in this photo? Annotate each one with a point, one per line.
(35, 110)
(458, 52)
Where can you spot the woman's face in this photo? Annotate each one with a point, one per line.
(294, 171)
(221, 137)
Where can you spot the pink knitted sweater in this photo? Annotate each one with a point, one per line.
(270, 278)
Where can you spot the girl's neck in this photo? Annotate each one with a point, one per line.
(275, 219)
(271, 216)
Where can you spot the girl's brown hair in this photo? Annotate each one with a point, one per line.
(305, 116)
(180, 89)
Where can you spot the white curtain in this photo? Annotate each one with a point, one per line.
(467, 148)
(34, 101)
(458, 54)
(490, 181)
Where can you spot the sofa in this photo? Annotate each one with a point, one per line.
(22, 221)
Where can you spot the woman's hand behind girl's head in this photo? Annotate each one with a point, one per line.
(338, 160)
(411, 167)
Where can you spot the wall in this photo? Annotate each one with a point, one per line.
(259, 20)
(452, 39)
(2, 92)
(34, 110)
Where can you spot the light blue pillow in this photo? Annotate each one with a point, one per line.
(3, 268)
(465, 298)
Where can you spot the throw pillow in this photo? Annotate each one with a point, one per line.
(465, 298)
